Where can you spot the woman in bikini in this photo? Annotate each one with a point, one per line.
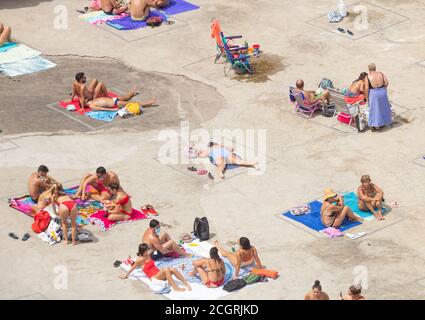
(221, 156)
(333, 210)
(356, 91)
(145, 262)
(370, 197)
(120, 208)
(211, 271)
(246, 255)
(316, 292)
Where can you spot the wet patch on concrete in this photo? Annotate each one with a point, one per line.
(27, 98)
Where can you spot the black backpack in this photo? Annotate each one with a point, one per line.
(201, 228)
(235, 284)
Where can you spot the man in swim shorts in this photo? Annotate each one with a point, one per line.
(95, 90)
(39, 182)
(311, 96)
(96, 185)
(112, 7)
(109, 104)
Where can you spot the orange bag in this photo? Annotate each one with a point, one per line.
(265, 272)
(41, 221)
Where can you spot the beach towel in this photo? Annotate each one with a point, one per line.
(179, 6)
(379, 108)
(107, 116)
(18, 53)
(313, 221)
(228, 166)
(100, 220)
(99, 17)
(7, 46)
(76, 103)
(26, 66)
(351, 200)
(126, 23)
(332, 232)
(266, 273)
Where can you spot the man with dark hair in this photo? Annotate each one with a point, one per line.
(96, 185)
(160, 244)
(311, 96)
(95, 90)
(39, 181)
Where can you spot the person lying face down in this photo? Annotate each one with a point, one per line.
(157, 276)
(111, 7)
(160, 243)
(316, 293)
(211, 270)
(222, 156)
(370, 197)
(245, 256)
(39, 182)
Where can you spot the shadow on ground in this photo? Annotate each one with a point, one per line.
(27, 97)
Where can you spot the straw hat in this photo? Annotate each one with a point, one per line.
(329, 193)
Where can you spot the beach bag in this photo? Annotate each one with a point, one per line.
(41, 221)
(325, 84)
(252, 278)
(201, 228)
(134, 108)
(328, 111)
(235, 284)
(154, 21)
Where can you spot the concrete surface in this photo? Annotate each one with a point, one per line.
(310, 155)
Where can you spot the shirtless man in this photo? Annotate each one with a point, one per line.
(333, 210)
(370, 197)
(97, 184)
(39, 182)
(4, 34)
(160, 244)
(95, 90)
(139, 9)
(112, 7)
(110, 104)
(310, 96)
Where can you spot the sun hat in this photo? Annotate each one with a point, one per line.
(329, 193)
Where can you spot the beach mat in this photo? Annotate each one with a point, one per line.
(313, 221)
(76, 103)
(103, 222)
(99, 17)
(18, 53)
(179, 6)
(106, 116)
(26, 66)
(126, 23)
(7, 46)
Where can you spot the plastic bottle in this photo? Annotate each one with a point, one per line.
(342, 8)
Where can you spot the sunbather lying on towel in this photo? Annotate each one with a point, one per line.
(316, 292)
(120, 208)
(211, 270)
(160, 244)
(5, 33)
(311, 96)
(95, 90)
(112, 7)
(222, 156)
(110, 104)
(356, 91)
(370, 197)
(333, 210)
(157, 276)
(39, 182)
(354, 293)
(139, 9)
(246, 255)
(95, 185)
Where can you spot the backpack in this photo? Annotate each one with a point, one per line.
(326, 83)
(252, 278)
(235, 284)
(201, 228)
(328, 111)
(41, 221)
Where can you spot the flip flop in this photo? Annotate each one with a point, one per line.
(341, 30)
(210, 176)
(13, 235)
(350, 33)
(192, 169)
(26, 237)
(117, 263)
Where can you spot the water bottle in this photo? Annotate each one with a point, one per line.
(342, 8)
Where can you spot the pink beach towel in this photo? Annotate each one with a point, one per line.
(76, 104)
(104, 223)
(332, 232)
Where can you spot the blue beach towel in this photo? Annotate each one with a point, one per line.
(351, 200)
(179, 6)
(8, 45)
(26, 66)
(313, 221)
(107, 116)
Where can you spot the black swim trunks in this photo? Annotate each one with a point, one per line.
(110, 13)
(156, 255)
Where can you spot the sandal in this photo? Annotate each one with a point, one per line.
(13, 235)
(117, 263)
(26, 237)
(342, 30)
(350, 33)
(192, 169)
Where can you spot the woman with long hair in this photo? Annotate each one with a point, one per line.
(211, 270)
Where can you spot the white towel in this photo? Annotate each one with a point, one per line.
(18, 53)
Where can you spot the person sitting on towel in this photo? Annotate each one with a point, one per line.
(356, 91)
(159, 243)
(112, 104)
(354, 293)
(316, 292)
(39, 182)
(310, 96)
(120, 207)
(112, 7)
(246, 255)
(5, 33)
(370, 197)
(157, 276)
(211, 270)
(95, 185)
(334, 211)
(222, 155)
(95, 90)
(140, 9)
